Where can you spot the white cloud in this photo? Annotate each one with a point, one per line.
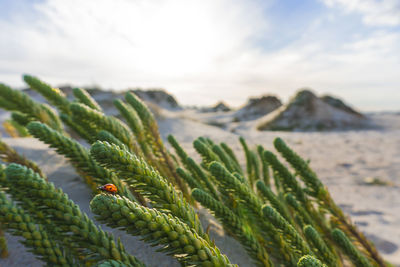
(201, 51)
(153, 40)
(374, 12)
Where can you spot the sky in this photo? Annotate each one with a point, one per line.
(203, 51)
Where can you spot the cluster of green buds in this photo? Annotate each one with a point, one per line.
(72, 226)
(234, 224)
(137, 173)
(79, 156)
(120, 130)
(16, 100)
(18, 222)
(84, 97)
(157, 228)
(54, 95)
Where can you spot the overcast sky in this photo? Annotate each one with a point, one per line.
(206, 50)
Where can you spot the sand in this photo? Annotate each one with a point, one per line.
(343, 160)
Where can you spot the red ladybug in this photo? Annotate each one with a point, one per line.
(109, 188)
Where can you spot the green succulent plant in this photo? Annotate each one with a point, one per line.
(281, 215)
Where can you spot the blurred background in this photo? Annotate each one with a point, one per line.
(205, 51)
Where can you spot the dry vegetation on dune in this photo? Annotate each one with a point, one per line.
(278, 210)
